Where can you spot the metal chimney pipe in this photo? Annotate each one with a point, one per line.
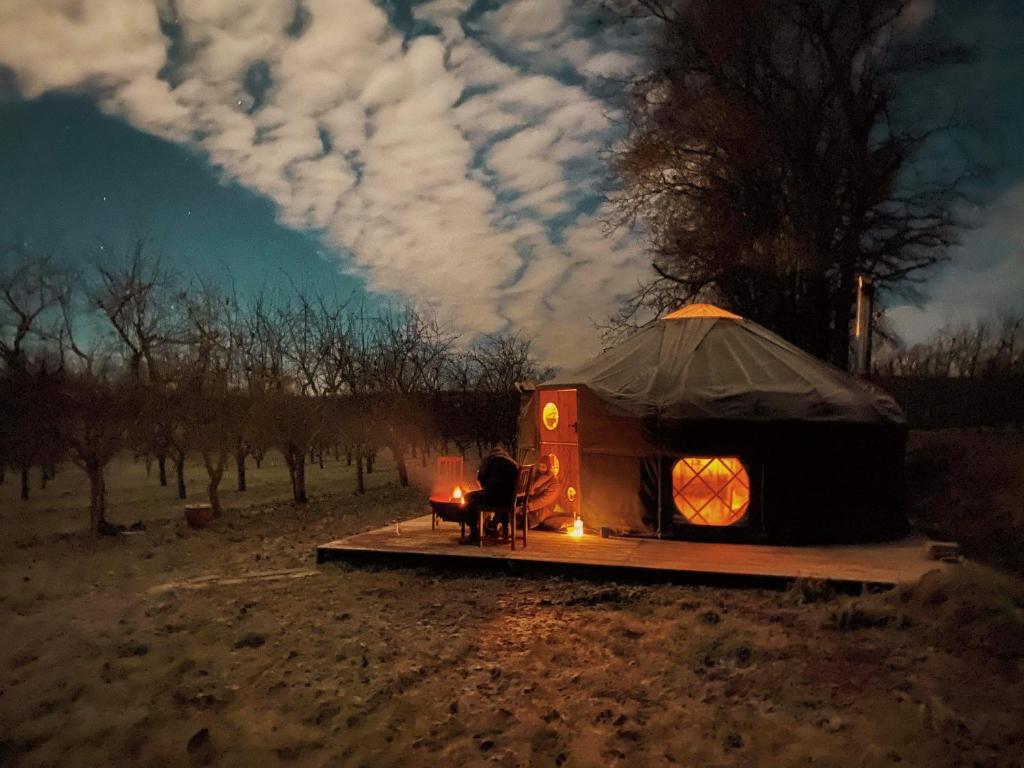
(862, 329)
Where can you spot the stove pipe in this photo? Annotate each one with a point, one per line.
(862, 326)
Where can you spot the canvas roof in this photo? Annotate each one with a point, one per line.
(702, 362)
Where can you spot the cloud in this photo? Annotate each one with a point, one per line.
(986, 274)
(526, 21)
(74, 45)
(917, 12)
(454, 169)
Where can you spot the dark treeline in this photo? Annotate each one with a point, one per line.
(127, 358)
(991, 346)
(965, 375)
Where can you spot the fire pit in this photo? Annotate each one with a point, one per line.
(448, 506)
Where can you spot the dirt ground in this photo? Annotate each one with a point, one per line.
(229, 646)
(968, 486)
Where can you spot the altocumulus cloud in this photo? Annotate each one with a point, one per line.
(458, 168)
(985, 278)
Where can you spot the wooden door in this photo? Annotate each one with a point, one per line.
(559, 434)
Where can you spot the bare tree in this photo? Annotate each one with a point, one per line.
(96, 409)
(410, 354)
(33, 291)
(767, 160)
(990, 346)
(1008, 355)
(138, 299)
(212, 411)
(505, 361)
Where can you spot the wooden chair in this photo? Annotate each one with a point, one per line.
(447, 475)
(519, 505)
(517, 509)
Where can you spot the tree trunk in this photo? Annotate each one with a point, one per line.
(179, 469)
(320, 458)
(403, 472)
(212, 491)
(215, 471)
(360, 480)
(289, 460)
(258, 456)
(97, 498)
(845, 300)
(44, 477)
(300, 477)
(240, 465)
(24, 483)
(161, 462)
(2, 477)
(348, 461)
(371, 456)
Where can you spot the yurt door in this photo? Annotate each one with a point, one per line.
(559, 434)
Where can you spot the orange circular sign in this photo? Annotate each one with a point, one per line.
(570, 493)
(550, 416)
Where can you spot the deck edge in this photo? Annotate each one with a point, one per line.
(359, 555)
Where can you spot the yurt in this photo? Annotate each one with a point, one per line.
(704, 425)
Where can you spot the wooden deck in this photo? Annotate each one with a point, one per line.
(414, 543)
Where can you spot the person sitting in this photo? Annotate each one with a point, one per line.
(544, 492)
(497, 476)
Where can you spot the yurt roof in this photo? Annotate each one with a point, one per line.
(703, 362)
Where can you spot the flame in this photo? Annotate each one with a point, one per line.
(576, 531)
(457, 494)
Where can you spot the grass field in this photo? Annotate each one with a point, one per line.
(228, 646)
(135, 494)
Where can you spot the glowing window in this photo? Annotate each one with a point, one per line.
(550, 416)
(711, 490)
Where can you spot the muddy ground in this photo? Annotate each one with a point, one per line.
(229, 646)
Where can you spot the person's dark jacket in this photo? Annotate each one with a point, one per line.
(497, 476)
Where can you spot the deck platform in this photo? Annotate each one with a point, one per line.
(414, 543)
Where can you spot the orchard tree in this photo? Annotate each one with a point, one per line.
(33, 292)
(409, 356)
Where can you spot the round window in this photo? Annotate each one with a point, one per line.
(711, 490)
(570, 493)
(550, 416)
(554, 465)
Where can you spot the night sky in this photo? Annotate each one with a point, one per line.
(448, 153)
